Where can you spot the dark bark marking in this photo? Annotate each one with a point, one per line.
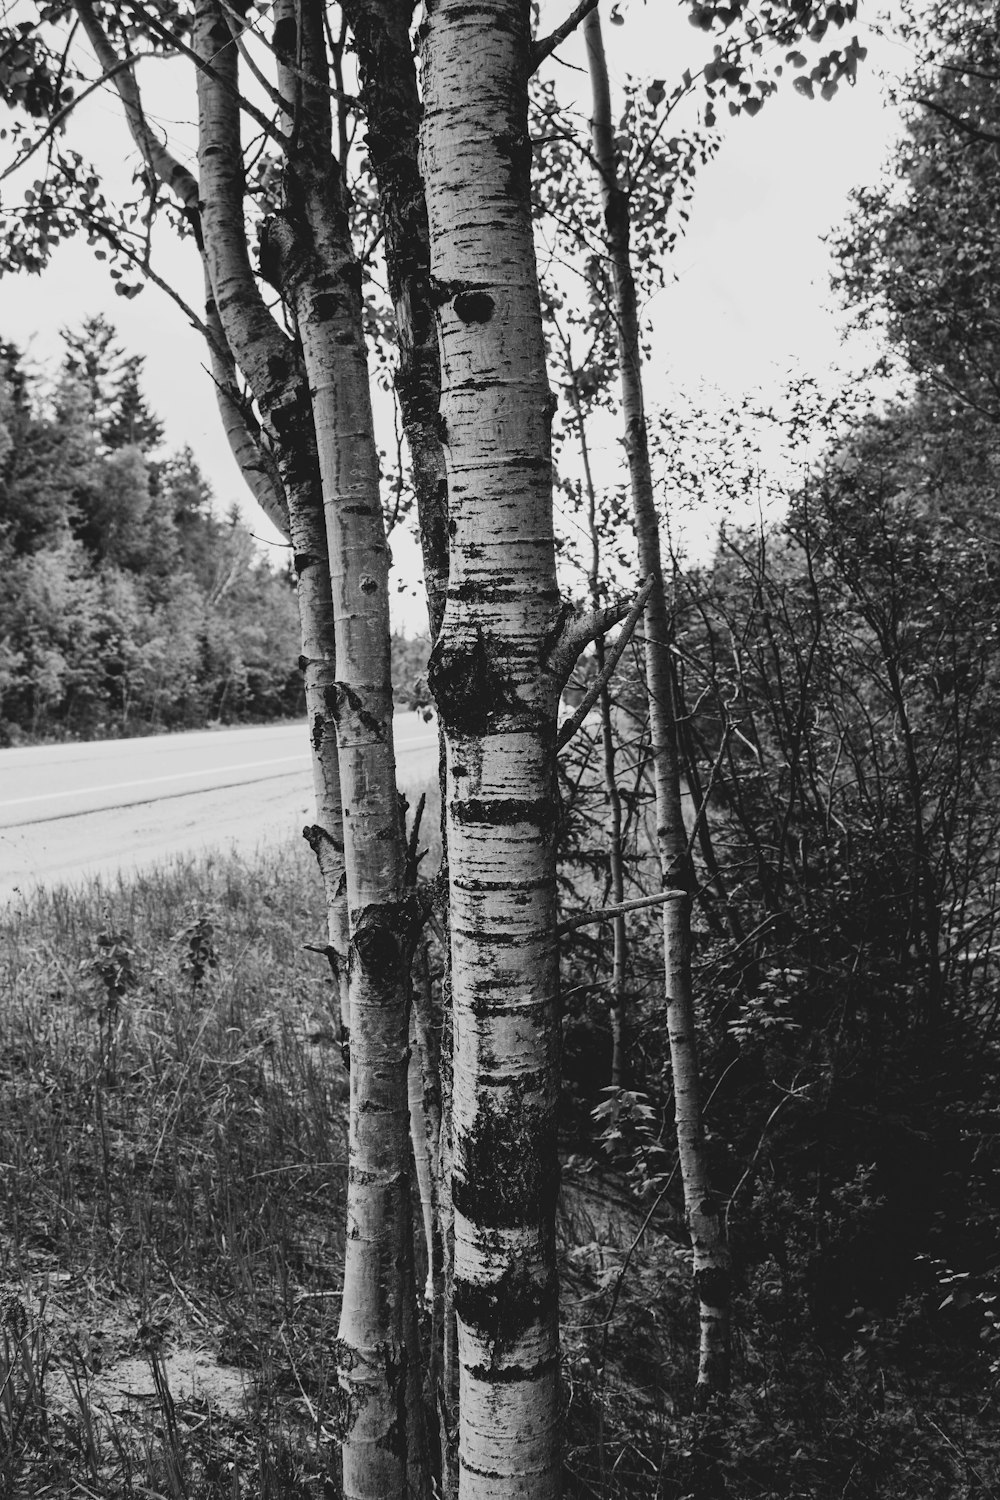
(350, 275)
(502, 1312)
(505, 812)
(514, 147)
(285, 38)
(468, 688)
(326, 305)
(510, 1375)
(475, 307)
(713, 1286)
(340, 696)
(475, 592)
(510, 1173)
(441, 291)
(375, 945)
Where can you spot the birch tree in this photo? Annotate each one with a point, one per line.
(703, 1209)
(506, 645)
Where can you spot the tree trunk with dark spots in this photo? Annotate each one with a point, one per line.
(391, 100)
(498, 698)
(307, 252)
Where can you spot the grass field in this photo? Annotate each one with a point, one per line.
(171, 1187)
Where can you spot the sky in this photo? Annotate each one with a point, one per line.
(748, 303)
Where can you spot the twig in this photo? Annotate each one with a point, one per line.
(600, 682)
(605, 915)
(547, 45)
(58, 118)
(787, 1094)
(619, 1282)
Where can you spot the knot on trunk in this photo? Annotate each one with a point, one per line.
(383, 938)
(468, 685)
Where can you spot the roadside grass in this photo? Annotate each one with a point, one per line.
(172, 1171)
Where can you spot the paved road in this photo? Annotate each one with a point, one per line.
(72, 810)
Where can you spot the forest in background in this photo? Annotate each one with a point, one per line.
(128, 603)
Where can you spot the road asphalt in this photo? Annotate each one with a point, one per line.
(76, 810)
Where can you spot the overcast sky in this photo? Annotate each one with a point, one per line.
(750, 301)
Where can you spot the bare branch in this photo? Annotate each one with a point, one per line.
(246, 441)
(600, 682)
(547, 45)
(607, 913)
(172, 173)
(166, 35)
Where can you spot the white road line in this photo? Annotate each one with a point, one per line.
(122, 786)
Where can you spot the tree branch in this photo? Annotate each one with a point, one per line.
(600, 682)
(172, 173)
(157, 27)
(255, 461)
(946, 114)
(547, 45)
(67, 109)
(584, 919)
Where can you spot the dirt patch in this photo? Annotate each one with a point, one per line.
(192, 1377)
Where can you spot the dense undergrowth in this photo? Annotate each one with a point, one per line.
(172, 1169)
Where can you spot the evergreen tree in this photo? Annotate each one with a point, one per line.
(119, 412)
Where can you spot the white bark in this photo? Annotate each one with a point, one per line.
(498, 699)
(283, 457)
(307, 249)
(270, 363)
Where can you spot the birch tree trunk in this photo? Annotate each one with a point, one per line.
(307, 252)
(615, 825)
(498, 697)
(391, 100)
(278, 458)
(703, 1211)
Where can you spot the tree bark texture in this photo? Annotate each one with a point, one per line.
(308, 254)
(498, 698)
(280, 460)
(391, 101)
(272, 366)
(704, 1218)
